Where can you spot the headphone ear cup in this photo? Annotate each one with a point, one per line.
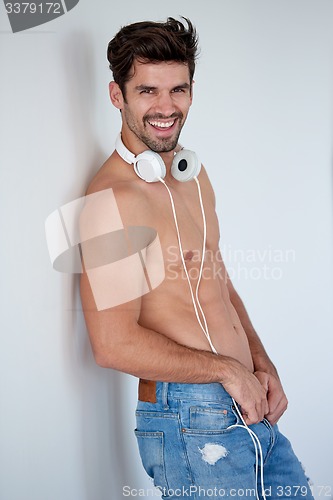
(185, 165)
(149, 166)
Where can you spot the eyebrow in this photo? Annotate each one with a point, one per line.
(150, 87)
(183, 86)
(145, 87)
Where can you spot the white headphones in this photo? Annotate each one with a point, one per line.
(150, 167)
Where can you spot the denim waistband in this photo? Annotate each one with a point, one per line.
(166, 391)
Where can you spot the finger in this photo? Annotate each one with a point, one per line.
(262, 408)
(281, 405)
(252, 417)
(273, 408)
(272, 418)
(263, 379)
(251, 421)
(266, 407)
(274, 400)
(274, 415)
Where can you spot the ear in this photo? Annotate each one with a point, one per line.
(116, 95)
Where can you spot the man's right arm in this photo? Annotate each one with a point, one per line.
(118, 339)
(119, 342)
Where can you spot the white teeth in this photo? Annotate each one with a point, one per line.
(162, 124)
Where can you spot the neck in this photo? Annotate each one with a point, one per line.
(135, 146)
(168, 158)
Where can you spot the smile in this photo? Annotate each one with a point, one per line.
(162, 125)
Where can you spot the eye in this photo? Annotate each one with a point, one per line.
(178, 90)
(147, 91)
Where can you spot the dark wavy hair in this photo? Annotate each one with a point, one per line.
(150, 41)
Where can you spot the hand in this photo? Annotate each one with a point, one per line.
(277, 400)
(247, 391)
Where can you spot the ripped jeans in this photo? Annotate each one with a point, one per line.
(188, 448)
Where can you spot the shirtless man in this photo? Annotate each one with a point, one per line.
(186, 416)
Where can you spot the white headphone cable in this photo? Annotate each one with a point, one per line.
(257, 445)
(184, 265)
(202, 262)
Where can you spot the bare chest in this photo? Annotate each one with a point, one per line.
(182, 231)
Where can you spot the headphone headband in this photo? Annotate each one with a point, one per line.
(123, 152)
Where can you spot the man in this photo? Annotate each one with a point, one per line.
(192, 437)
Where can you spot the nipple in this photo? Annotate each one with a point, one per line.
(188, 255)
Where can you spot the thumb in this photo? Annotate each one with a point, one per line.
(263, 379)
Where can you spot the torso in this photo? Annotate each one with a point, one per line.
(168, 309)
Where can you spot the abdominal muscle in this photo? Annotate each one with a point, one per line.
(169, 310)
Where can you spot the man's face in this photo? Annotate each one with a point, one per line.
(158, 98)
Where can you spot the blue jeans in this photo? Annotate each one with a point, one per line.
(188, 449)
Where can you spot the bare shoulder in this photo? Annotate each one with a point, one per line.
(115, 191)
(206, 185)
(114, 175)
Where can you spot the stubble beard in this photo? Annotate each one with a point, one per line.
(161, 145)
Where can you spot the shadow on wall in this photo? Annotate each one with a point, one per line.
(102, 415)
(78, 60)
(98, 391)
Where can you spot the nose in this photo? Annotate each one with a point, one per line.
(165, 104)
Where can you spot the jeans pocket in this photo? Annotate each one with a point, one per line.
(212, 418)
(151, 448)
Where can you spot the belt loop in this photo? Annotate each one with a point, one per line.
(165, 395)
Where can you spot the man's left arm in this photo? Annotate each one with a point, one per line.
(264, 369)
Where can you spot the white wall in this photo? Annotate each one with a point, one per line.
(262, 124)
